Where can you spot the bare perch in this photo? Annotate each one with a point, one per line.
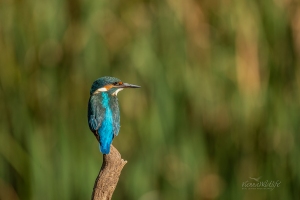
(108, 176)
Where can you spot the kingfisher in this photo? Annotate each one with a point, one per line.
(103, 110)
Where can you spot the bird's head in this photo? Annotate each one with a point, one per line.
(109, 84)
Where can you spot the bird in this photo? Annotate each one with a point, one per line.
(103, 110)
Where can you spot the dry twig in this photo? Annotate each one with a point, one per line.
(109, 174)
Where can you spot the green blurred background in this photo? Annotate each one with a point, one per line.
(219, 101)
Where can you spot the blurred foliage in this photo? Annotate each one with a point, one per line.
(219, 101)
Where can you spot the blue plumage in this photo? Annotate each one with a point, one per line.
(106, 129)
(103, 110)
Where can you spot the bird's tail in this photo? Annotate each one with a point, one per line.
(104, 147)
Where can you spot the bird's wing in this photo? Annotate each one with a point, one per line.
(116, 115)
(95, 117)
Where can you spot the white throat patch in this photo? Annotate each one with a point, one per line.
(103, 89)
(116, 92)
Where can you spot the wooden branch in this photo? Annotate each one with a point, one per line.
(108, 176)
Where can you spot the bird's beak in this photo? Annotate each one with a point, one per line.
(127, 85)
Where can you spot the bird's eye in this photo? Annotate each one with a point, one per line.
(115, 83)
